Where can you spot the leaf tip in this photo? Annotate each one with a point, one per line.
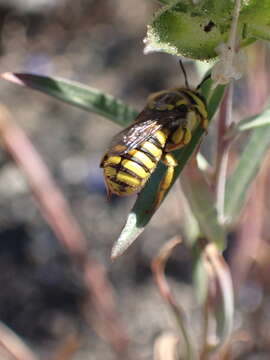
(12, 77)
(128, 235)
(115, 253)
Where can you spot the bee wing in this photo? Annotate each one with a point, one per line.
(143, 127)
(133, 136)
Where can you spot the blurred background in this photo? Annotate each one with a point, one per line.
(99, 43)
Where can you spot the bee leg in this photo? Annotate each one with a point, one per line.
(205, 125)
(187, 136)
(192, 120)
(108, 191)
(170, 162)
(181, 137)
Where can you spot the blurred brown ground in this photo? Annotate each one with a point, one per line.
(100, 44)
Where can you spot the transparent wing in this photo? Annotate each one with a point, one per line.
(133, 136)
(144, 126)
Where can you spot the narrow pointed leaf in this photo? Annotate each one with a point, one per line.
(203, 164)
(201, 200)
(250, 123)
(190, 226)
(202, 203)
(166, 2)
(143, 209)
(245, 172)
(78, 95)
(95, 101)
(199, 275)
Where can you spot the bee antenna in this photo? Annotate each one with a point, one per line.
(184, 72)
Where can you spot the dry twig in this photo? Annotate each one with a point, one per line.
(54, 208)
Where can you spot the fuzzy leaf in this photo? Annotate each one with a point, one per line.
(196, 29)
(190, 30)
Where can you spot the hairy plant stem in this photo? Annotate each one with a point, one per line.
(233, 30)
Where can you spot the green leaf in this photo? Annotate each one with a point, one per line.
(214, 101)
(255, 15)
(190, 30)
(199, 275)
(93, 100)
(245, 172)
(166, 2)
(143, 209)
(78, 95)
(190, 226)
(196, 29)
(202, 202)
(250, 123)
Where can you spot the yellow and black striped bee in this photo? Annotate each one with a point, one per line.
(165, 124)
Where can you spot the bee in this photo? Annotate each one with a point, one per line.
(165, 124)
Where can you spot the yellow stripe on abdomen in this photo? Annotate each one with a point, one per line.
(161, 136)
(128, 179)
(152, 149)
(114, 160)
(137, 169)
(109, 171)
(142, 158)
(127, 174)
(121, 190)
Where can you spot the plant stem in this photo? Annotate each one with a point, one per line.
(231, 45)
(158, 267)
(228, 68)
(233, 30)
(225, 120)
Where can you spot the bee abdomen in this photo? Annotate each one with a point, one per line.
(128, 173)
(125, 178)
(119, 180)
